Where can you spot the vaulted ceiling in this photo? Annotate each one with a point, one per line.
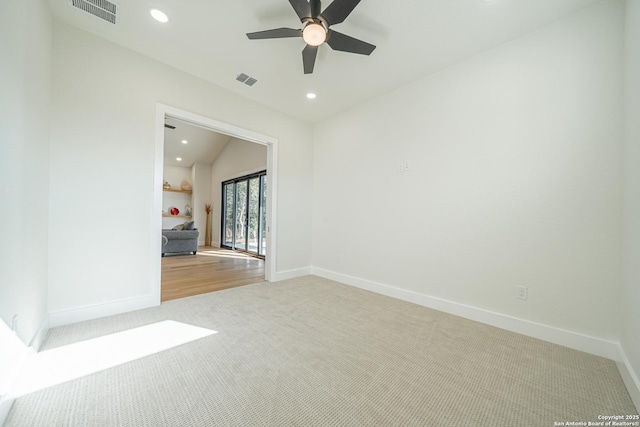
(191, 143)
(413, 37)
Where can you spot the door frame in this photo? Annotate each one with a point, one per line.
(163, 110)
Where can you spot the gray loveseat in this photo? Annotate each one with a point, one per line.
(178, 241)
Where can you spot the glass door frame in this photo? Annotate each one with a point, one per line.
(260, 236)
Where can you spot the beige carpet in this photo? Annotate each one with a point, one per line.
(309, 352)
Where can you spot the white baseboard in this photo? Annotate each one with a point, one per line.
(575, 340)
(630, 377)
(291, 274)
(74, 315)
(80, 314)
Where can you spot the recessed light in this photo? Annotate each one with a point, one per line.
(179, 159)
(311, 95)
(159, 15)
(184, 141)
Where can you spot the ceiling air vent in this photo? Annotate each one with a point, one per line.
(248, 80)
(103, 9)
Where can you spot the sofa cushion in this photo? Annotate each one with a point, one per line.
(181, 234)
(188, 225)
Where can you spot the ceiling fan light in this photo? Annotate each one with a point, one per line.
(314, 34)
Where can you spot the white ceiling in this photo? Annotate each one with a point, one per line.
(203, 145)
(207, 38)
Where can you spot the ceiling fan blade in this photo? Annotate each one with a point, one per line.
(277, 33)
(302, 8)
(339, 41)
(338, 11)
(309, 58)
(315, 8)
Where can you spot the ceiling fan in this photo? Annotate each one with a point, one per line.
(316, 30)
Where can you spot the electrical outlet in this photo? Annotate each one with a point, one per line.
(404, 167)
(521, 292)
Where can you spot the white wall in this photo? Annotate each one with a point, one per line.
(201, 196)
(25, 67)
(238, 158)
(630, 339)
(105, 116)
(515, 159)
(25, 31)
(174, 175)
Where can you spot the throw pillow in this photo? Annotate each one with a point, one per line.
(178, 227)
(189, 225)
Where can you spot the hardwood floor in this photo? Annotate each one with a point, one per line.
(211, 269)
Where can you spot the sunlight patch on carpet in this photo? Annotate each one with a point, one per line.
(69, 362)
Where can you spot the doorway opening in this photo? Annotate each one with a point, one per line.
(260, 233)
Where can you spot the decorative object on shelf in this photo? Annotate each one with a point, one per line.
(187, 210)
(166, 186)
(207, 233)
(174, 211)
(185, 185)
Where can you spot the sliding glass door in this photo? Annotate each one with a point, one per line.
(244, 214)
